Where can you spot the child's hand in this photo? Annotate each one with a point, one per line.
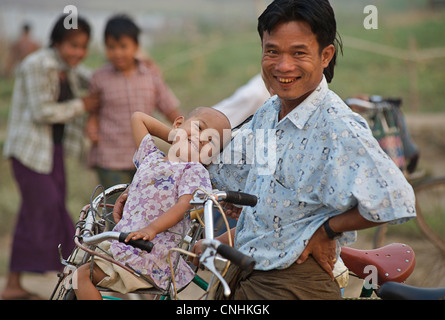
(91, 102)
(118, 208)
(146, 233)
(92, 129)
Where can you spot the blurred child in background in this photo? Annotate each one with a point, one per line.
(126, 84)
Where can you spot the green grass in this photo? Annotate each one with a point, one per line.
(204, 73)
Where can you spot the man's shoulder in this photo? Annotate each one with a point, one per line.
(333, 100)
(268, 109)
(338, 114)
(334, 106)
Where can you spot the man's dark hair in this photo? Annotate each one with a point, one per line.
(317, 13)
(122, 25)
(59, 32)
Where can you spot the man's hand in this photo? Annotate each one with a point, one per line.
(197, 249)
(322, 249)
(224, 238)
(119, 206)
(231, 210)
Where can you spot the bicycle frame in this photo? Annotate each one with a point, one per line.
(212, 247)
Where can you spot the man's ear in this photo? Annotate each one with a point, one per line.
(178, 122)
(327, 55)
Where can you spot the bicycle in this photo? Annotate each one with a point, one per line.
(386, 120)
(91, 230)
(394, 262)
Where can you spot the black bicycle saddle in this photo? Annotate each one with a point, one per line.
(400, 291)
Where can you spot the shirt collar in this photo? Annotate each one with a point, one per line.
(300, 115)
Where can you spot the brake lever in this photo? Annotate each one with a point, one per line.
(62, 260)
(207, 259)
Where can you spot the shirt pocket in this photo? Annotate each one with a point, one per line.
(288, 203)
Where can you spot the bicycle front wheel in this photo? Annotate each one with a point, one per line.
(430, 207)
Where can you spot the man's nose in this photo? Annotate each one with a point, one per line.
(285, 63)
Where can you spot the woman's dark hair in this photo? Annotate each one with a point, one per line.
(59, 32)
(122, 25)
(317, 13)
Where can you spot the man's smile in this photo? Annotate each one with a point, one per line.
(287, 80)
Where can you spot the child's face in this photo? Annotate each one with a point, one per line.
(200, 137)
(121, 52)
(74, 48)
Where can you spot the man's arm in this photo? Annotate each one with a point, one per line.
(323, 249)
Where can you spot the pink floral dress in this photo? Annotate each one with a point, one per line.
(156, 187)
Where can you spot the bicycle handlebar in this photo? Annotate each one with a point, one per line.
(246, 263)
(141, 244)
(119, 236)
(241, 198)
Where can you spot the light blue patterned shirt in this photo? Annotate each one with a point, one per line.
(317, 162)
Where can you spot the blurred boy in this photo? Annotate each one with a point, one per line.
(125, 85)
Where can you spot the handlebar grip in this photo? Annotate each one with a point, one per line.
(241, 198)
(139, 243)
(246, 263)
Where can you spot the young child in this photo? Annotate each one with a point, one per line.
(158, 198)
(126, 84)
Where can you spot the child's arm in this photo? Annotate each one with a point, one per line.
(167, 220)
(92, 127)
(142, 124)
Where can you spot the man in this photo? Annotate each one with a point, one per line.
(318, 172)
(324, 176)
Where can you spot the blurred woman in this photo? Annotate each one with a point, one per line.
(45, 123)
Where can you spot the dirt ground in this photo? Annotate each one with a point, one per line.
(429, 133)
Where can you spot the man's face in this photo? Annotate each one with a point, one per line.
(292, 65)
